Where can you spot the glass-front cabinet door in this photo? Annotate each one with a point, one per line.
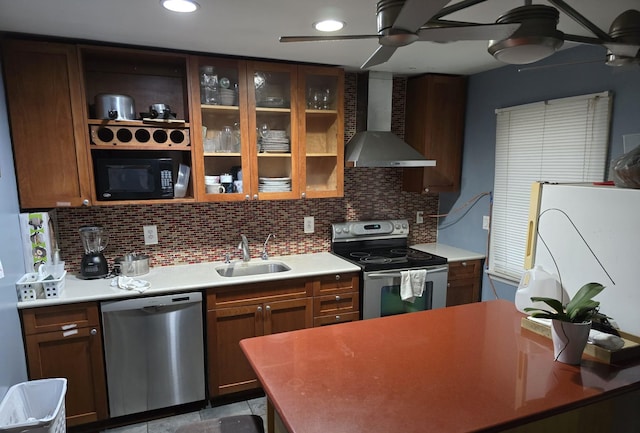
(222, 147)
(321, 131)
(273, 134)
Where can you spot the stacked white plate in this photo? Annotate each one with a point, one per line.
(276, 141)
(274, 184)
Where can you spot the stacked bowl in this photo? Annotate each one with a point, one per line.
(227, 96)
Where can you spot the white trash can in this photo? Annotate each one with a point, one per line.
(35, 406)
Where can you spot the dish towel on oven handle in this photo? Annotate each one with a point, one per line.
(412, 284)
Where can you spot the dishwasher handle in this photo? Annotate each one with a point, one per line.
(153, 304)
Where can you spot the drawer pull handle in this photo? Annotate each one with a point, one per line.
(268, 308)
(93, 331)
(464, 263)
(337, 277)
(337, 317)
(259, 308)
(337, 297)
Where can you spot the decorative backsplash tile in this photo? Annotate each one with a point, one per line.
(201, 232)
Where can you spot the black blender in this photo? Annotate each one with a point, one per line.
(94, 264)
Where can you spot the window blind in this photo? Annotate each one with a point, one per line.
(562, 140)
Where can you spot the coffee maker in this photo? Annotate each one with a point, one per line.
(93, 264)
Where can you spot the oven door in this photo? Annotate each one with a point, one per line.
(381, 293)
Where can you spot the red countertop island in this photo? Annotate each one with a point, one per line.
(458, 369)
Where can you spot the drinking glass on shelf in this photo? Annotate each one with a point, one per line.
(227, 140)
(326, 99)
(263, 131)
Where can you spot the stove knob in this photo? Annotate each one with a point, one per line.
(346, 229)
(404, 226)
(338, 230)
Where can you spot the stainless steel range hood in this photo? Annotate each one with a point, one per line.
(378, 146)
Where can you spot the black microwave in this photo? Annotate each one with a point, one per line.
(133, 178)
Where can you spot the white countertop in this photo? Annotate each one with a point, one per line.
(452, 254)
(167, 279)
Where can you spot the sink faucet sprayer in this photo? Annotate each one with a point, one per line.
(265, 255)
(244, 246)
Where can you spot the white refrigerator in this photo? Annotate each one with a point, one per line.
(590, 233)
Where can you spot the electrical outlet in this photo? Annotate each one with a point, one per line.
(309, 224)
(419, 217)
(485, 222)
(150, 235)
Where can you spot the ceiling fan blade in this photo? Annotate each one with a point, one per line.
(415, 13)
(472, 32)
(381, 55)
(325, 38)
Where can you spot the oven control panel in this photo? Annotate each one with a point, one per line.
(361, 230)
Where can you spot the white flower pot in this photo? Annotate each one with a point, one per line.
(569, 340)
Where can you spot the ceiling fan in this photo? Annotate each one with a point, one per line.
(522, 35)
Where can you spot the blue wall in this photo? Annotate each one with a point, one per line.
(12, 361)
(504, 87)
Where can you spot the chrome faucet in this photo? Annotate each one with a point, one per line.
(265, 255)
(244, 246)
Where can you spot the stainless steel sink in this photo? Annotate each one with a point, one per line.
(242, 269)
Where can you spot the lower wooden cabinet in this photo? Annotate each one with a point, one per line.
(465, 278)
(238, 312)
(66, 341)
(251, 310)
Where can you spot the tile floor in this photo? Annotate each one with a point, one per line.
(257, 406)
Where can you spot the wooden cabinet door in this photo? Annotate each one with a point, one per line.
(434, 125)
(229, 370)
(47, 117)
(320, 105)
(288, 315)
(463, 286)
(77, 356)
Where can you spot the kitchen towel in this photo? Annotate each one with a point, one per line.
(130, 283)
(412, 284)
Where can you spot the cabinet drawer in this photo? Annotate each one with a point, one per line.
(335, 283)
(464, 269)
(336, 318)
(56, 318)
(335, 304)
(246, 294)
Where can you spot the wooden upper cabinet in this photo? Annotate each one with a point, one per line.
(321, 131)
(47, 117)
(434, 125)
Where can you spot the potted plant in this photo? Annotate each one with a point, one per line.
(570, 324)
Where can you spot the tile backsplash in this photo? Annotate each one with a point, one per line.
(201, 232)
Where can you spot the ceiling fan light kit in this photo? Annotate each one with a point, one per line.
(537, 37)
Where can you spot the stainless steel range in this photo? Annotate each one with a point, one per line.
(380, 249)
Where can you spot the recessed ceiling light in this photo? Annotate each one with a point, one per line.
(328, 25)
(180, 5)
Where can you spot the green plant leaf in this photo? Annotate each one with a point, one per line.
(553, 303)
(584, 295)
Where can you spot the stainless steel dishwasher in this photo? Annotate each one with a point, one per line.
(154, 351)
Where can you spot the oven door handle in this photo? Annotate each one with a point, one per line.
(398, 275)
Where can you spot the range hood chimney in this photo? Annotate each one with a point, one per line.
(378, 146)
